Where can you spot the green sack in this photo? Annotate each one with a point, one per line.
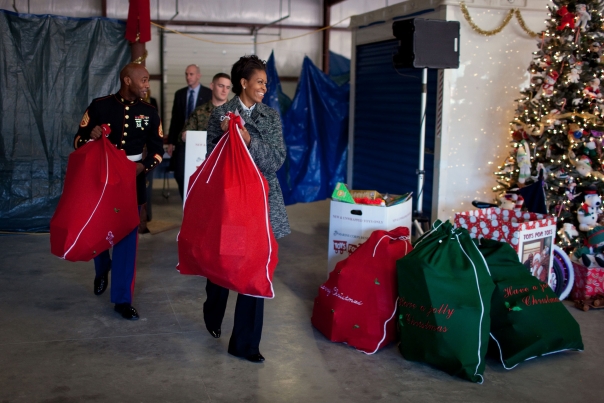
(527, 319)
(445, 291)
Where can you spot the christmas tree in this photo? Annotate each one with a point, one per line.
(558, 126)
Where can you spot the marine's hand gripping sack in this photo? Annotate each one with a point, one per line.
(98, 207)
(226, 234)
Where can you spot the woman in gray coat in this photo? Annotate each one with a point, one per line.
(263, 136)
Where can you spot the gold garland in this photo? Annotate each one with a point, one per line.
(513, 12)
(141, 59)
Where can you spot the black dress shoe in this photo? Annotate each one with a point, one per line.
(215, 333)
(255, 358)
(101, 283)
(127, 311)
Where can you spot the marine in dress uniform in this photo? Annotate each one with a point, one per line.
(134, 124)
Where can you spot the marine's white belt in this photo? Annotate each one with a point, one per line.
(136, 157)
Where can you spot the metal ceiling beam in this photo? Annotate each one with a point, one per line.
(239, 24)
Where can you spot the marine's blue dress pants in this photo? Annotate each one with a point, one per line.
(123, 268)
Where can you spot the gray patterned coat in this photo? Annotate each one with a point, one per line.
(267, 149)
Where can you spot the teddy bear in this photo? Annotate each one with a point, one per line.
(583, 16)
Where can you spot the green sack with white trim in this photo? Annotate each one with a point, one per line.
(445, 289)
(527, 318)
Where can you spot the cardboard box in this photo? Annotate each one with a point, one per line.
(589, 281)
(195, 154)
(352, 224)
(530, 234)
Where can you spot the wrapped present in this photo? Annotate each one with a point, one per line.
(589, 281)
(530, 234)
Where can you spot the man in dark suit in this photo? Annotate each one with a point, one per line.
(185, 101)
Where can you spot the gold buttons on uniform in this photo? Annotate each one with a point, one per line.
(127, 108)
(125, 134)
(127, 117)
(123, 141)
(126, 125)
(142, 128)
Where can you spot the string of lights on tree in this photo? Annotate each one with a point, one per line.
(558, 126)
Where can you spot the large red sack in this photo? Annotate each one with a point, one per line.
(357, 303)
(98, 207)
(226, 233)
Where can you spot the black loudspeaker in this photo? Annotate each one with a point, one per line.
(427, 43)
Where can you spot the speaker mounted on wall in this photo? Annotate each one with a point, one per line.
(425, 43)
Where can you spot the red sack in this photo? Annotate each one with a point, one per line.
(98, 207)
(226, 233)
(357, 303)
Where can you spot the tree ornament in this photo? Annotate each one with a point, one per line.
(583, 16)
(523, 159)
(548, 85)
(568, 19)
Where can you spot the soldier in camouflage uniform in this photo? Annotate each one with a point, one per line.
(220, 86)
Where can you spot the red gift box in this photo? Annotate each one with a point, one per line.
(589, 281)
(530, 234)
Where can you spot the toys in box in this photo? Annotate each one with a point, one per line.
(530, 234)
(351, 223)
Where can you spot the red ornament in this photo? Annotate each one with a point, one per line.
(568, 19)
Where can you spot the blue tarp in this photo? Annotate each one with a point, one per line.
(339, 68)
(315, 129)
(52, 67)
(275, 98)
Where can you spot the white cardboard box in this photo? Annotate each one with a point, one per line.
(195, 154)
(352, 224)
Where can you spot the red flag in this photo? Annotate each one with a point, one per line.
(226, 233)
(139, 21)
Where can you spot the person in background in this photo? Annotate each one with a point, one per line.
(185, 101)
(146, 209)
(263, 136)
(134, 125)
(220, 86)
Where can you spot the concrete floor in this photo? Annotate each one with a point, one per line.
(60, 343)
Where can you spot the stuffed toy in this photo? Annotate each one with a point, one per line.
(548, 85)
(523, 158)
(583, 15)
(587, 214)
(567, 20)
(593, 248)
(583, 166)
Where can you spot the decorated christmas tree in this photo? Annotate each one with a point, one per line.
(558, 127)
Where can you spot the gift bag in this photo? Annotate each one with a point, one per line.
(98, 207)
(445, 289)
(527, 318)
(357, 304)
(226, 233)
